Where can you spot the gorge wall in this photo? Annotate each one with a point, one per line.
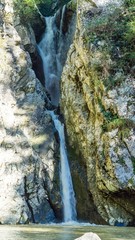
(97, 100)
(29, 189)
(97, 97)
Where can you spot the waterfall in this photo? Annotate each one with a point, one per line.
(68, 198)
(50, 49)
(62, 19)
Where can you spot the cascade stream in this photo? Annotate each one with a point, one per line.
(68, 197)
(50, 49)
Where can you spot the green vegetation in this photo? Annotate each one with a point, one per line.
(113, 36)
(112, 121)
(27, 9)
(123, 125)
(108, 115)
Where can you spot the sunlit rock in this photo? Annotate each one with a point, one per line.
(29, 188)
(89, 236)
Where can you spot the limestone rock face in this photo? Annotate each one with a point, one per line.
(29, 189)
(97, 101)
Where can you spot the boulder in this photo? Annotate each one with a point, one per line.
(89, 236)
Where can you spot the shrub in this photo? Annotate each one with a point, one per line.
(117, 31)
(27, 9)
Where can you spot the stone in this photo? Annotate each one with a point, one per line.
(99, 118)
(27, 36)
(97, 101)
(29, 189)
(89, 236)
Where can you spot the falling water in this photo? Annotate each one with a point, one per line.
(50, 50)
(69, 202)
(51, 65)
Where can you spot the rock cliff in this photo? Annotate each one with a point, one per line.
(97, 100)
(29, 189)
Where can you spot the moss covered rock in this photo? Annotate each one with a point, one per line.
(98, 101)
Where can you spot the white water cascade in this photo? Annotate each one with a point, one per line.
(50, 49)
(50, 60)
(68, 197)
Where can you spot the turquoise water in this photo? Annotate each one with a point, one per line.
(61, 232)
